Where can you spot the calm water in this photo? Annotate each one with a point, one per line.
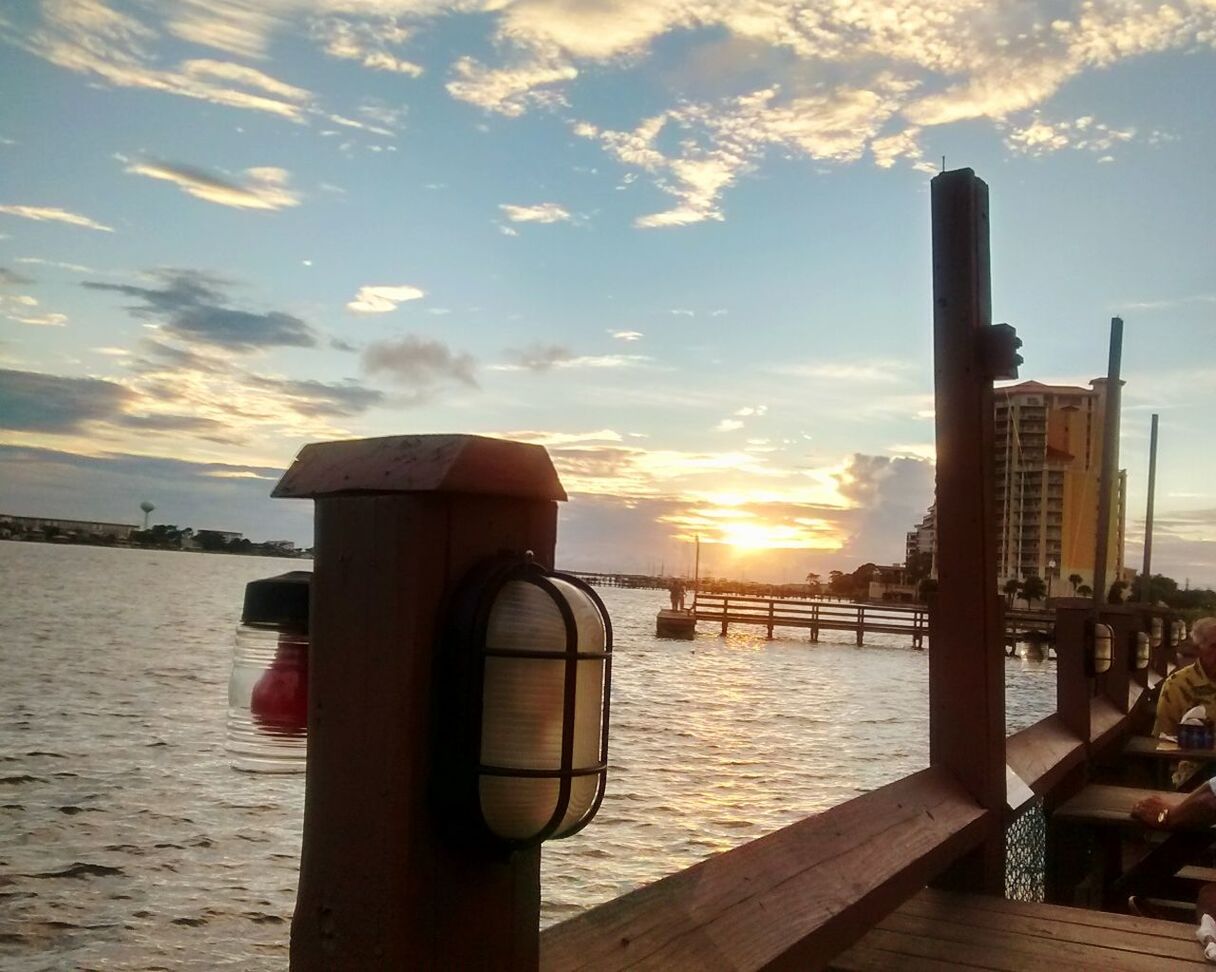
(126, 841)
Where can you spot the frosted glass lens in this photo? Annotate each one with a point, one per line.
(521, 716)
(525, 618)
(517, 809)
(582, 795)
(587, 619)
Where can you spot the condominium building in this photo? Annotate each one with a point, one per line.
(1048, 466)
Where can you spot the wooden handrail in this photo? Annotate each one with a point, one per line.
(793, 898)
(1043, 754)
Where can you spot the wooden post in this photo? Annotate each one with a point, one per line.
(1073, 685)
(725, 607)
(966, 663)
(861, 623)
(770, 620)
(399, 521)
(815, 622)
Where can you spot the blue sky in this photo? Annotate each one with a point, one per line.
(682, 244)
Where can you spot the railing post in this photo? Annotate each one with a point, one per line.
(399, 521)
(1074, 688)
(770, 620)
(861, 624)
(966, 660)
(725, 606)
(815, 622)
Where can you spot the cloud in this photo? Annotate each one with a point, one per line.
(545, 357)
(540, 213)
(322, 399)
(89, 37)
(55, 215)
(879, 371)
(512, 90)
(728, 425)
(382, 299)
(419, 364)
(264, 187)
(1036, 136)
(35, 402)
(627, 335)
(11, 278)
(542, 357)
(193, 307)
(366, 43)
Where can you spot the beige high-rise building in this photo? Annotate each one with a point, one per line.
(1048, 468)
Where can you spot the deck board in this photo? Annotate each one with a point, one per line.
(937, 931)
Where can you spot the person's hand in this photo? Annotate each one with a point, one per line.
(1152, 811)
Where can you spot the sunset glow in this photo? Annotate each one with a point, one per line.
(682, 246)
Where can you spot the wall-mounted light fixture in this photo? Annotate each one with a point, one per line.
(1101, 639)
(1179, 631)
(1142, 650)
(529, 655)
(1156, 630)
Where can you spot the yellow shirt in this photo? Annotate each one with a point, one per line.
(1183, 690)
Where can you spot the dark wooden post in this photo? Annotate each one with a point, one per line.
(966, 662)
(1074, 688)
(398, 522)
(861, 625)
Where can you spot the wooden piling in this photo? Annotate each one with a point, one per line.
(399, 521)
(966, 662)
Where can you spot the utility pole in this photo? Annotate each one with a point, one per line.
(1146, 572)
(1110, 458)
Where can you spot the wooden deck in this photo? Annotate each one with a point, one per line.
(936, 931)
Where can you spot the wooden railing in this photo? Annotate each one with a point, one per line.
(814, 616)
(799, 896)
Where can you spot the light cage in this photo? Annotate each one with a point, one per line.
(535, 652)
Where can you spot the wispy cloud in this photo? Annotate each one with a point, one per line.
(548, 212)
(264, 187)
(370, 44)
(545, 357)
(54, 214)
(380, 299)
(627, 335)
(193, 306)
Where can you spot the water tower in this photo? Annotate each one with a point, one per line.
(147, 507)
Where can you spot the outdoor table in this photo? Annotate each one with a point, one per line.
(1163, 753)
(1107, 812)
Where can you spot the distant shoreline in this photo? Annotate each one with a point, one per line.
(65, 542)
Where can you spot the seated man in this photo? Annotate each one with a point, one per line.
(1191, 685)
(1197, 810)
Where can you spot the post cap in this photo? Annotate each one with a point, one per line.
(422, 464)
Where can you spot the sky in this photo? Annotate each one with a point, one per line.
(683, 244)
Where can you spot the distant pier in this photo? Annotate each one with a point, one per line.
(1036, 627)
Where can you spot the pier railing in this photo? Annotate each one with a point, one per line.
(815, 616)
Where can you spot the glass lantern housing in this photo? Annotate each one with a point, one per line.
(537, 658)
(268, 686)
(1142, 650)
(1101, 643)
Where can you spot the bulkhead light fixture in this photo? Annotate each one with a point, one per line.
(1142, 650)
(1101, 638)
(530, 655)
(1156, 630)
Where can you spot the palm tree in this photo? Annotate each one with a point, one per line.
(1034, 589)
(1085, 591)
(1012, 589)
(1075, 580)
